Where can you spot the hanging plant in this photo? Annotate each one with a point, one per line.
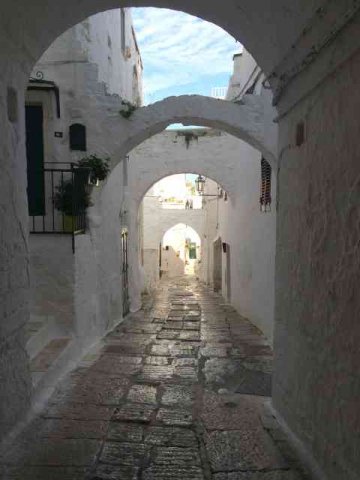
(189, 137)
(127, 109)
(99, 167)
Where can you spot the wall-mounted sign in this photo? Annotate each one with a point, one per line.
(59, 134)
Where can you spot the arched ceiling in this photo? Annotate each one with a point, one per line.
(266, 29)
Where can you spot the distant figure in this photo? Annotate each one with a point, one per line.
(187, 205)
(191, 204)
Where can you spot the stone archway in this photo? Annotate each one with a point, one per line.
(176, 257)
(244, 120)
(38, 24)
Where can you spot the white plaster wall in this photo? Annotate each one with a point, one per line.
(97, 41)
(91, 71)
(316, 385)
(52, 280)
(251, 235)
(245, 71)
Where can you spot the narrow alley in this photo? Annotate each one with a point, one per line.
(175, 392)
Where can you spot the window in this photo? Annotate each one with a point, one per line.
(123, 25)
(265, 190)
(77, 137)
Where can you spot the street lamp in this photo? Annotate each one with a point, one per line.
(200, 184)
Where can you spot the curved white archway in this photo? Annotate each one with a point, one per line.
(244, 121)
(149, 181)
(175, 258)
(266, 31)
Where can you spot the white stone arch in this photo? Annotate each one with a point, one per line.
(193, 224)
(191, 218)
(266, 34)
(193, 230)
(243, 120)
(179, 169)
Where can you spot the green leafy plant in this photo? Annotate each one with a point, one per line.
(127, 109)
(99, 167)
(64, 198)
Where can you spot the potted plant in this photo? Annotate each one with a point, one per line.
(71, 200)
(99, 168)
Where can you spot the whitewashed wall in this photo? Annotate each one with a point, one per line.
(93, 74)
(96, 42)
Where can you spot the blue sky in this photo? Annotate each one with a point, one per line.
(181, 53)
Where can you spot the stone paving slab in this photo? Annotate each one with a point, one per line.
(115, 472)
(273, 475)
(157, 360)
(242, 450)
(134, 412)
(132, 454)
(171, 436)
(68, 428)
(125, 432)
(158, 401)
(57, 453)
(156, 373)
(178, 395)
(172, 417)
(227, 412)
(43, 473)
(160, 472)
(176, 456)
(79, 411)
(142, 394)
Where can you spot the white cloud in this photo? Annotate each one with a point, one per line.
(179, 49)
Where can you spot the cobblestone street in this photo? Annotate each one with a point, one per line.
(175, 392)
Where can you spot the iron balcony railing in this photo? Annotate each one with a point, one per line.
(64, 199)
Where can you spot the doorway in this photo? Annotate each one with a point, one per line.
(125, 271)
(217, 265)
(228, 273)
(35, 159)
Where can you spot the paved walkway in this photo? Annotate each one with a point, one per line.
(176, 392)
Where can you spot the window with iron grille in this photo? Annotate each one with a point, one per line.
(265, 191)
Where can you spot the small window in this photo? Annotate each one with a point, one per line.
(77, 136)
(265, 190)
(123, 25)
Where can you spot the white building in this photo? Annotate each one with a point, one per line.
(78, 82)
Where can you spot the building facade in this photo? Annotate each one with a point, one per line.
(86, 74)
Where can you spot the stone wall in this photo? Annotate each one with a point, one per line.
(317, 386)
(52, 280)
